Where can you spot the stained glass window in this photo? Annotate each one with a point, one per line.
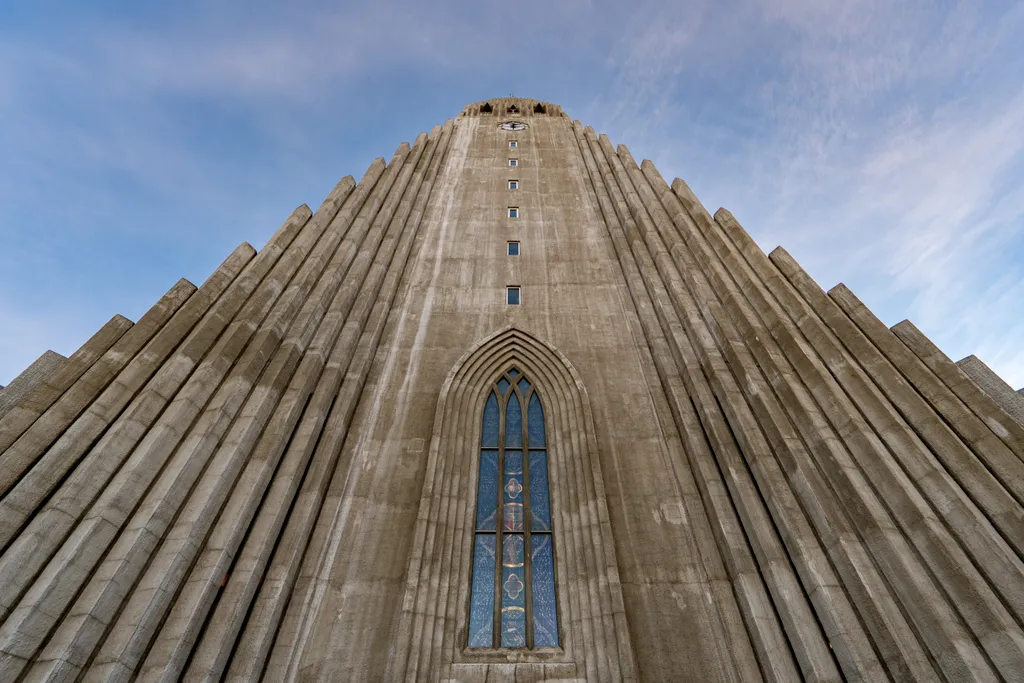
(512, 602)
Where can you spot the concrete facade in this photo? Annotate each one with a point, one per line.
(273, 475)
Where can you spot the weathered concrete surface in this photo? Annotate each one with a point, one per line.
(41, 368)
(992, 384)
(274, 475)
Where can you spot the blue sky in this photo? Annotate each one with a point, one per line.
(880, 142)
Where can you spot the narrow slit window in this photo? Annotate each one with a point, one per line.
(513, 162)
(513, 212)
(513, 184)
(512, 600)
(513, 144)
(512, 296)
(513, 248)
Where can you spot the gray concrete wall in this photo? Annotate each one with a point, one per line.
(272, 475)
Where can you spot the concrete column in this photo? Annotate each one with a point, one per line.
(299, 268)
(18, 416)
(34, 375)
(995, 453)
(55, 459)
(53, 591)
(992, 384)
(59, 416)
(676, 361)
(1004, 426)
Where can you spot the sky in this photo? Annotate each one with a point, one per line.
(881, 142)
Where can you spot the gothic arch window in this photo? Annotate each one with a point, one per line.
(512, 602)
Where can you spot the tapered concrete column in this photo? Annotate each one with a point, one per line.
(705, 251)
(34, 375)
(1004, 426)
(19, 415)
(765, 632)
(53, 592)
(992, 384)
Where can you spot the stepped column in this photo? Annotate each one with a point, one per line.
(52, 593)
(229, 381)
(692, 392)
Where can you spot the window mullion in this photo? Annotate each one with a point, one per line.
(528, 544)
(499, 544)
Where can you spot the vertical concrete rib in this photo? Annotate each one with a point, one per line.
(257, 374)
(995, 386)
(905, 476)
(119, 488)
(58, 416)
(27, 410)
(693, 252)
(190, 609)
(350, 361)
(709, 441)
(957, 452)
(1004, 426)
(897, 490)
(46, 365)
(56, 460)
(721, 348)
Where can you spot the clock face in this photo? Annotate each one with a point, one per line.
(513, 125)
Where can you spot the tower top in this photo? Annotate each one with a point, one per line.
(513, 106)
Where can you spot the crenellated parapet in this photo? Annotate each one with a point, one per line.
(513, 107)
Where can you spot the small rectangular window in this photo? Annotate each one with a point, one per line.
(513, 212)
(512, 144)
(513, 248)
(512, 296)
(513, 184)
(513, 162)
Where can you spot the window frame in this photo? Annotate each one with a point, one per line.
(513, 144)
(513, 162)
(508, 248)
(513, 212)
(508, 295)
(529, 535)
(513, 183)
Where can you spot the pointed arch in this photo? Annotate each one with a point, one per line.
(593, 634)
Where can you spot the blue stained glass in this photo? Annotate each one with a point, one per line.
(481, 612)
(535, 422)
(513, 488)
(490, 428)
(542, 566)
(513, 422)
(503, 385)
(513, 593)
(523, 385)
(540, 507)
(513, 373)
(487, 492)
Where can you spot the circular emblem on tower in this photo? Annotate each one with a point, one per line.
(514, 125)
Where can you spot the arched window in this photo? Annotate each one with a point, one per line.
(513, 586)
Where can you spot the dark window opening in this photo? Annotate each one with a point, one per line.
(486, 109)
(513, 109)
(539, 109)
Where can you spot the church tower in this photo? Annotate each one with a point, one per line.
(510, 408)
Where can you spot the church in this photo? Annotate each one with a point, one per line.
(512, 407)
